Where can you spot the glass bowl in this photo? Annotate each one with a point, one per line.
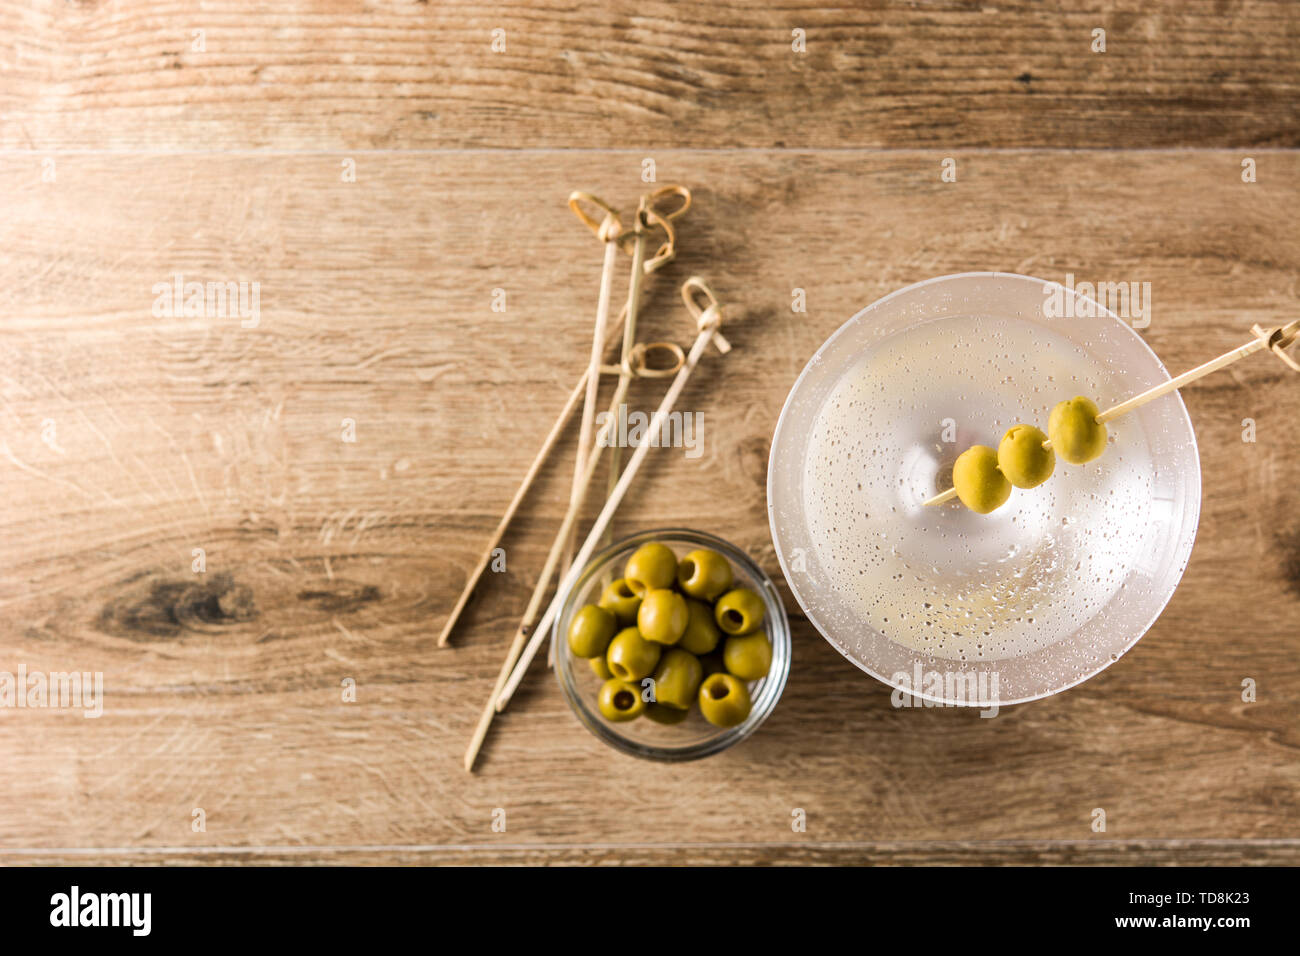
(694, 737)
(1041, 594)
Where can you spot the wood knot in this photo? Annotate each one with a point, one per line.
(169, 608)
(217, 600)
(340, 596)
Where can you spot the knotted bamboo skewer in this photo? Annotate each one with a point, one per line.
(1276, 340)
(648, 215)
(708, 323)
(608, 232)
(661, 257)
(635, 365)
(664, 254)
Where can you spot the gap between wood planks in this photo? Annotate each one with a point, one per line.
(635, 151)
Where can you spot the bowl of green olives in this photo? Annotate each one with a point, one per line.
(672, 645)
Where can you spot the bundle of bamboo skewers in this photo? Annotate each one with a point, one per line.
(634, 362)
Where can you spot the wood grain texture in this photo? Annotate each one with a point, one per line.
(131, 439)
(1098, 852)
(329, 74)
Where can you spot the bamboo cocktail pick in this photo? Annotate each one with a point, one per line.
(708, 322)
(647, 216)
(665, 254)
(1276, 340)
(579, 490)
(608, 232)
(661, 257)
(636, 365)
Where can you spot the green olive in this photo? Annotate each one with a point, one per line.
(739, 611)
(1074, 431)
(704, 574)
(677, 678)
(663, 616)
(702, 634)
(651, 566)
(662, 714)
(600, 667)
(620, 600)
(980, 486)
(631, 656)
(620, 701)
(1023, 459)
(749, 656)
(590, 631)
(724, 700)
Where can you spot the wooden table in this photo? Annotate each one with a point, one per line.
(134, 149)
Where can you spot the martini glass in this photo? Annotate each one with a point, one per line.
(1022, 603)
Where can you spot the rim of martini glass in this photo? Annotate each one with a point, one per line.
(1193, 495)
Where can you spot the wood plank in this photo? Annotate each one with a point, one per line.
(351, 76)
(1099, 852)
(329, 560)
